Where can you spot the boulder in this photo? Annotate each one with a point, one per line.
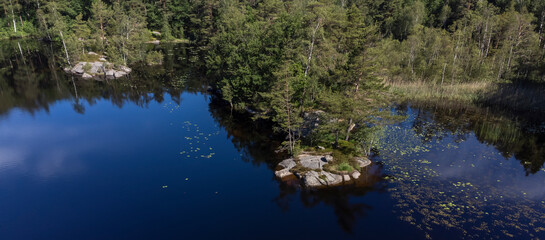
(363, 162)
(93, 53)
(287, 164)
(125, 69)
(283, 173)
(110, 73)
(78, 69)
(346, 177)
(118, 74)
(86, 76)
(356, 174)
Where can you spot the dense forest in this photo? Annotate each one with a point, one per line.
(286, 60)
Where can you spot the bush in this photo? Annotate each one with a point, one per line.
(345, 167)
(154, 58)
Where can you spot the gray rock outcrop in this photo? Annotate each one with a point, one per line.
(309, 169)
(98, 69)
(312, 162)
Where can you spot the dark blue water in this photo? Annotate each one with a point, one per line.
(155, 156)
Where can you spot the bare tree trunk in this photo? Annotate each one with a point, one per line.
(443, 76)
(65, 51)
(13, 17)
(510, 57)
(307, 69)
(311, 47)
(101, 31)
(488, 45)
(351, 126)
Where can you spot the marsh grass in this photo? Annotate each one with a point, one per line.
(515, 98)
(422, 91)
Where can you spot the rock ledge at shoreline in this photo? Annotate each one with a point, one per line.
(311, 171)
(98, 69)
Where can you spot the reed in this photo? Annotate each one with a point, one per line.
(518, 99)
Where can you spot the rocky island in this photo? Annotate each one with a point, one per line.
(98, 67)
(321, 170)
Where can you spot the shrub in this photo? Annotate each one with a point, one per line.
(154, 58)
(345, 167)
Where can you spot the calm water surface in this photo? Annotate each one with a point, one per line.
(156, 157)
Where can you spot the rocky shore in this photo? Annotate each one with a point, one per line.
(313, 170)
(98, 69)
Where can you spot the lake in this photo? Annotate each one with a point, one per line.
(156, 156)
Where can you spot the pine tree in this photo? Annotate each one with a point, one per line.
(102, 14)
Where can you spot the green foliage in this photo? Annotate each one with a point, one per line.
(154, 58)
(87, 67)
(345, 167)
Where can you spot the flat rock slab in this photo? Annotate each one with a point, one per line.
(312, 162)
(315, 179)
(363, 162)
(288, 163)
(312, 179)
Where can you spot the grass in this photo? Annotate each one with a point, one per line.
(90, 58)
(345, 167)
(422, 91)
(514, 98)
